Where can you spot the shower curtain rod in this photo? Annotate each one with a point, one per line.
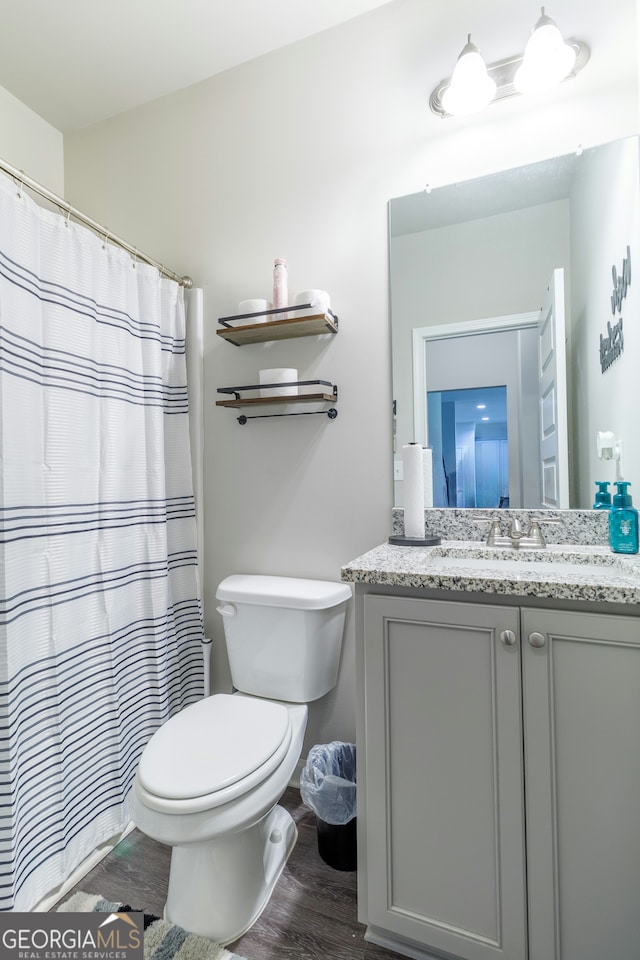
(38, 188)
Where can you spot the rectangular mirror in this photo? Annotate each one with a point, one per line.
(483, 281)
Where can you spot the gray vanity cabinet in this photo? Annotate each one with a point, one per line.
(444, 774)
(581, 709)
(501, 777)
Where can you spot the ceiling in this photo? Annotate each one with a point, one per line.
(78, 62)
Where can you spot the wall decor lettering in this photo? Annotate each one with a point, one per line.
(612, 345)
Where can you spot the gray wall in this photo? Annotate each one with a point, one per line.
(31, 144)
(601, 231)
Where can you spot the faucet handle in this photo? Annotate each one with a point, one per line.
(494, 529)
(535, 533)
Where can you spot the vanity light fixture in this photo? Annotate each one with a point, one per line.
(548, 59)
(471, 88)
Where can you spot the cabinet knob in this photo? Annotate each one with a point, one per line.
(508, 637)
(537, 639)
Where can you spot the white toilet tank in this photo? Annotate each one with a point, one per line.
(283, 634)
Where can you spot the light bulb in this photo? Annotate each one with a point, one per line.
(547, 59)
(470, 88)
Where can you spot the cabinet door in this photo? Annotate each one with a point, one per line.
(582, 755)
(443, 755)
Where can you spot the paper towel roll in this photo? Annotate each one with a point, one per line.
(428, 477)
(413, 468)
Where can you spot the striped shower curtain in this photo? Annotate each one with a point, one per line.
(100, 617)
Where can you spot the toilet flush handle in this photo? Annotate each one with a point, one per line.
(226, 610)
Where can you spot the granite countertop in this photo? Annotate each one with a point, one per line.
(563, 572)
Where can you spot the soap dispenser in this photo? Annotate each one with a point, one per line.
(623, 521)
(603, 497)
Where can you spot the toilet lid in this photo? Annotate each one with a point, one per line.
(210, 745)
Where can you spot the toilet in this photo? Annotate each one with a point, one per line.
(209, 780)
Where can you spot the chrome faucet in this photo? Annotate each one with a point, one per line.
(515, 530)
(516, 536)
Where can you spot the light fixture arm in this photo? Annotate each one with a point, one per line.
(543, 20)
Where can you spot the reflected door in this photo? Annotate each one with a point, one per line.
(552, 396)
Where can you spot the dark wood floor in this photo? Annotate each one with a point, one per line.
(311, 915)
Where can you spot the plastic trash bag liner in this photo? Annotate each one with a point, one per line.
(328, 782)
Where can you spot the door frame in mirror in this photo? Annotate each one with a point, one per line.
(449, 331)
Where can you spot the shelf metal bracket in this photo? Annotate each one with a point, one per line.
(332, 413)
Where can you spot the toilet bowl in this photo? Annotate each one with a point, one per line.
(209, 780)
(231, 828)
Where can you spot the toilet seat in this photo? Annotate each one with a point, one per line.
(212, 752)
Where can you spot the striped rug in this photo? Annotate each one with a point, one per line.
(162, 940)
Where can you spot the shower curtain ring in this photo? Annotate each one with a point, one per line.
(105, 241)
(135, 257)
(21, 184)
(66, 222)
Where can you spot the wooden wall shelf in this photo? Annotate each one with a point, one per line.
(239, 401)
(309, 326)
(256, 401)
(236, 399)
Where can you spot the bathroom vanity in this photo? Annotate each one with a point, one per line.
(499, 751)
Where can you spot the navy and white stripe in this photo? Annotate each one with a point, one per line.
(33, 521)
(123, 673)
(45, 366)
(100, 615)
(72, 300)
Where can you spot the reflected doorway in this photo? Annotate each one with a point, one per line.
(484, 354)
(469, 439)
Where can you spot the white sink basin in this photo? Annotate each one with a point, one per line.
(522, 566)
(554, 561)
(555, 552)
